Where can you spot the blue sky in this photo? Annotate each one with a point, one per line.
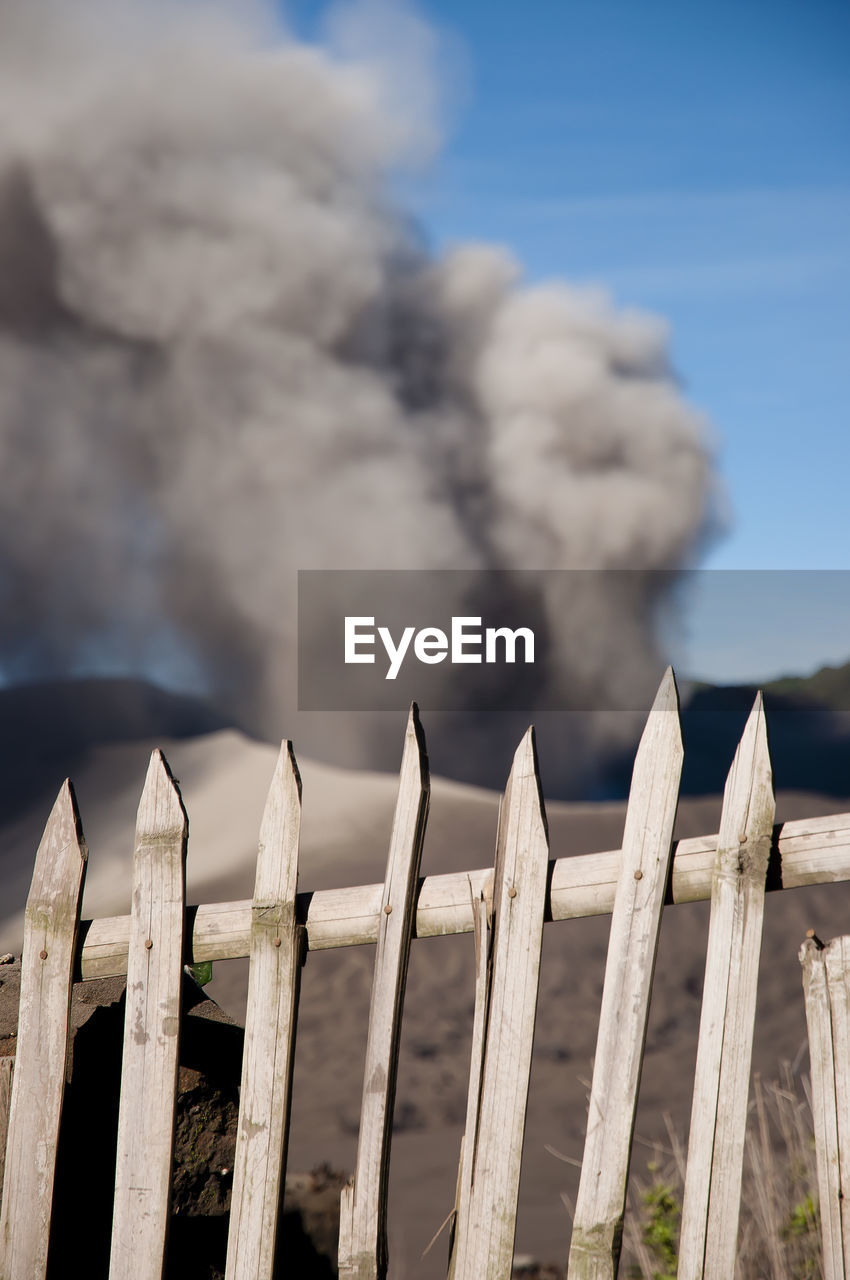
(694, 160)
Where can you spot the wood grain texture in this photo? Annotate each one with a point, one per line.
(35, 1108)
(463, 1196)
(709, 1232)
(7, 1068)
(635, 923)
(807, 851)
(838, 985)
(826, 983)
(506, 1006)
(363, 1204)
(273, 985)
(151, 1031)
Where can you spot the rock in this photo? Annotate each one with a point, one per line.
(205, 1141)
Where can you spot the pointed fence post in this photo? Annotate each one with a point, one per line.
(273, 985)
(826, 983)
(635, 923)
(151, 1031)
(50, 928)
(363, 1204)
(709, 1233)
(508, 972)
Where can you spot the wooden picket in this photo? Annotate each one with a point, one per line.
(363, 1206)
(7, 1068)
(635, 923)
(463, 1192)
(151, 1028)
(505, 907)
(826, 983)
(484, 1230)
(52, 916)
(273, 987)
(709, 1232)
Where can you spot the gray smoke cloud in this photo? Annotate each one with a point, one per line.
(225, 355)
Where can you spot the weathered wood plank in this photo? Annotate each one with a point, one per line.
(489, 1181)
(635, 923)
(7, 1067)
(52, 915)
(809, 851)
(363, 1204)
(838, 984)
(826, 974)
(460, 1224)
(151, 1031)
(709, 1233)
(273, 986)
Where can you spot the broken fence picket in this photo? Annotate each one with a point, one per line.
(826, 983)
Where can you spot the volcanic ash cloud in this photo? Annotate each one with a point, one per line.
(226, 355)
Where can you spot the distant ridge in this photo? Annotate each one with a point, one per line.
(829, 686)
(808, 720)
(46, 728)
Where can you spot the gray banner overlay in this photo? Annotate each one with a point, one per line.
(574, 640)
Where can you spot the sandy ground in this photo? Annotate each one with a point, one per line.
(224, 778)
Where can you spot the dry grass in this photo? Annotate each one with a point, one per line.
(779, 1231)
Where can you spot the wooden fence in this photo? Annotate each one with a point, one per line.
(505, 907)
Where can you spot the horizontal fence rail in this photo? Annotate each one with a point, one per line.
(804, 852)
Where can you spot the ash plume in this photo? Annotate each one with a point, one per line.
(225, 354)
